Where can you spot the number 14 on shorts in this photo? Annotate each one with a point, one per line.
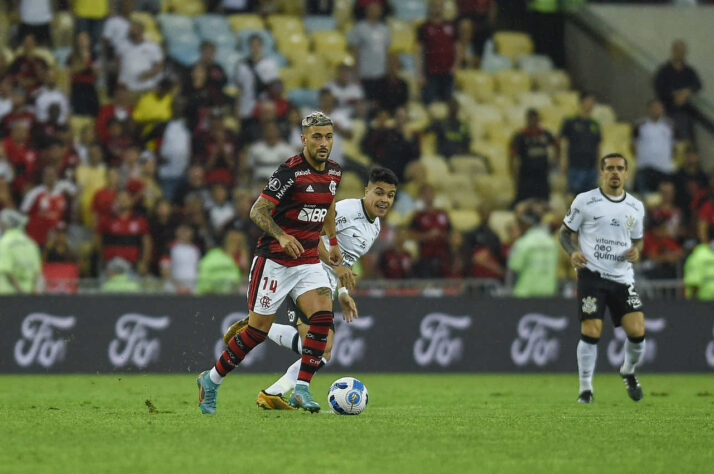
(273, 284)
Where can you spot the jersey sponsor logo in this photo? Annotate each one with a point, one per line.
(534, 344)
(253, 356)
(341, 220)
(302, 173)
(335, 172)
(616, 347)
(614, 222)
(132, 345)
(284, 189)
(572, 213)
(274, 184)
(589, 305)
(333, 187)
(633, 299)
(348, 347)
(360, 241)
(309, 189)
(593, 200)
(633, 206)
(629, 222)
(436, 343)
(604, 248)
(38, 343)
(709, 353)
(312, 215)
(598, 217)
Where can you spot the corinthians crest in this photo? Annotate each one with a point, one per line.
(589, 305)
(629, 222)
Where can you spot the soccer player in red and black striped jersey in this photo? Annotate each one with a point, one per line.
(292, 210)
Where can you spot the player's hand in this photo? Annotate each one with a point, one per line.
(291, 245)
(578, 259)
(335, 257)
(633, 254)
(349, 308)
(346, 276)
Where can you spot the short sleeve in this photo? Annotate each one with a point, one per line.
(574, 218)
(343, 215)
(280, 185)
(639, 230)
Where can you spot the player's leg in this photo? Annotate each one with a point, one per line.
(627, 311)
(591, 310)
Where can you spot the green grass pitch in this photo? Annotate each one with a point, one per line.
(413, 424)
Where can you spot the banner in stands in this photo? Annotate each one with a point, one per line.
(95, 334)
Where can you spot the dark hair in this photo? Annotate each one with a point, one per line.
(586, 95)
(612, 155)
(383, 175)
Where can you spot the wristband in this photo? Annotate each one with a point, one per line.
(333, 241)
(342, 291)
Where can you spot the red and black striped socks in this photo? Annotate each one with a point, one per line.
(238, 347)
(314, 345)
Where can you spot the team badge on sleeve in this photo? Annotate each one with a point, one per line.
(333, 187)
(274, 184)
(589, 305)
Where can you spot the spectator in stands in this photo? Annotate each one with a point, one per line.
(253, 74)
(389, 143)
(6, 177)
(699, 272)
(50, 94)
(359, 9)
(90, 178)
(154, 110)
(369, 41)
(242, 203)
(430, 227)
(28, 68)
(220, 155)
(19, 152)
(118, 141)
(125, 234)
(294, 130)
(395, 262)
(252, 130)
(120, 110)
(47, 130)
(654, 145)
(660, 252)
(532, 152)
(195, 183)
(118, 277)
(580, 138)
(436, 55)
(194, 215)
(179, 267)
(5, 95)
(104, 198)
(145, 190)
(348, 93)
(216, 78)
(90, 16)
(20, 259)
(341, 121)
(115, 33)
(175, 150)
(484, 248)
(163, 222)
(392, 91)
(57, 248)
(274, 92)
(20, 112)
(452, 133)
(667, 211)
(470, 58)
(534, 255)
(267, 154)
(689, 181)
(141, 62)
(481, 18)
(83, 68)
(218, 272)
(47, 205)
(219, 209)
(705, 213)
(675, 82)
(319, 7)
(35, 19)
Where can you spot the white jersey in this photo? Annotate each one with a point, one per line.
(605, 230)
(355, 234)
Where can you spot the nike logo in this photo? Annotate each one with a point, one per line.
(598, 217)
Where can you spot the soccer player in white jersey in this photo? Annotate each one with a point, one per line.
(358, 225)
(608, 223)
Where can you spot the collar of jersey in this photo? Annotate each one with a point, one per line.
(624, 195)
(302, 155)
(364, 209)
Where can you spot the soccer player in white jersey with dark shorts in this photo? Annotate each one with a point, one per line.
(358, 225)
(608, 225)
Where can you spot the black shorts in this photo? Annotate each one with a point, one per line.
(595, 293)
(297, 317)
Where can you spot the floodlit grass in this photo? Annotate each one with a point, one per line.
(413, 424)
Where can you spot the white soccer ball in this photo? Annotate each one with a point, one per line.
(347, 396)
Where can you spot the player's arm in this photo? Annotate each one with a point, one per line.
(633, 254)
(260, 214)
(345, 275)
(330, 229)
(567, 242)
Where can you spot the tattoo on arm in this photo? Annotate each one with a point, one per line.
(566, 240)
(260, 214)
(324, 291)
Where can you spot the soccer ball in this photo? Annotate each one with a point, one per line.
(347, 396)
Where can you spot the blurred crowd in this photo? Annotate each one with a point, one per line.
(127, 160)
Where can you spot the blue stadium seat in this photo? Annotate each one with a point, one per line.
(228, 58)
(221, 39)
(410, 10)
(304, 97)
(183, 40)
(244, 35)
(209, 25)
(173, 24)
(278, 58)
(185, 56)
(319, 23)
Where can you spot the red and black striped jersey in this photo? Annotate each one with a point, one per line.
(302, 196)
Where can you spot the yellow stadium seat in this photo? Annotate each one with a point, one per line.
(478, 84)
(468, 165)
(7, 54)
(502, 101)
(512, 83)
(512, 44)
(500, 132)
(351, 180)
(516, 115)
(285, 24)
(617, 131)
(438, 110)
(569, 99)
(291, 7)
(604, 113)
(535, 100)
(464, 220)
(315, 71)
(343, 14)
(502, 222)
(403, 37)
(418, 116)
(554, 115)
(293, 46)
(62, 30)
(323, 41)
(292, 78)
(455, 183)
(335, 57)
(246, 22)
(437, 170)
(552, 81)
(183, 7)
(485, 113)
(497, 154)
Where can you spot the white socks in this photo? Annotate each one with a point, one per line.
(288, 381)
(633, 354)
(282, 335)
(215, 376)
(587, 356)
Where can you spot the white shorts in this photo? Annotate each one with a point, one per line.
(270, 283)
